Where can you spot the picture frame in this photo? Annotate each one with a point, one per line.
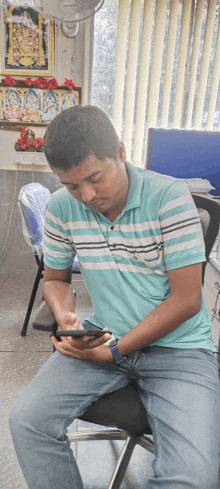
(27, 42)
(23, 105)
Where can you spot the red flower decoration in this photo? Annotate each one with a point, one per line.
(52, 84)
(10, 81)
(69, 84)
(24, 143)
(29, 81)
(23, 131)
(38, 142)
(41, 82)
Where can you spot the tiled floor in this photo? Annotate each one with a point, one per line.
(21, 358)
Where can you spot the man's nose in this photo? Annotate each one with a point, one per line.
(87, 192)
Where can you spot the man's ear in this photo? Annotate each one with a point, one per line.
(121, 152)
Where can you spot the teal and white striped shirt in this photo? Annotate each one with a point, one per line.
(125, 263)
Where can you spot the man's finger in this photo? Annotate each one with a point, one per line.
(94, 343)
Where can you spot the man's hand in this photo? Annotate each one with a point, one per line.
(81, 347)
(59, 297)
(70, 320)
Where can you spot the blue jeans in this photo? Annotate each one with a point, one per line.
(178, 387)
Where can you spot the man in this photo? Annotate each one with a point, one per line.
(139, 241)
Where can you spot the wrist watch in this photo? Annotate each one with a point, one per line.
(118, 358)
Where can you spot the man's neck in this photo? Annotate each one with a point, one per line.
(111, 215)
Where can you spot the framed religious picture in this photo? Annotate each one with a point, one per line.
(22, 105)
(27, 42)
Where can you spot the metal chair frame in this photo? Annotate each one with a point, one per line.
(111, 434)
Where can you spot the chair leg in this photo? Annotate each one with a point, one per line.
(32, 298)
(122, 464)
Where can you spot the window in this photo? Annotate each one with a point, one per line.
(164, 71)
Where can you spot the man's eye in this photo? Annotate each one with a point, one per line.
(96, 179)
(72, 187)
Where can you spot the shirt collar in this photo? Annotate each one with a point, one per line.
(135, 187)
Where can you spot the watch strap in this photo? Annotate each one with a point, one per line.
(118, 358)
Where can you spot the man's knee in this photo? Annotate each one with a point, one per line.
(17, 419)
(31, 418)
(25, 417)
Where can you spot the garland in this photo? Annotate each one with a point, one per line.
(40, 83)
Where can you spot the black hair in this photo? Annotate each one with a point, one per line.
(77, 133)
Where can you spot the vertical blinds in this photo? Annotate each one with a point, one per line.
(167, 69)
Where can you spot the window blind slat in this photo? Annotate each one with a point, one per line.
(131, 74)
(143, 80)
(205, 63)
(185, 38)
(194, 60)
(157, 56)
(215, 83)
(123, 18)
(174, 12)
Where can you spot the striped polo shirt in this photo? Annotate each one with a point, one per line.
(124, 263)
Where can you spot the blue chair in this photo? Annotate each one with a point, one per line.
(32, 200)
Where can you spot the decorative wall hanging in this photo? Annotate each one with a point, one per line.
(29, 105)
(28, 149)
(27, 142)
(27, 42)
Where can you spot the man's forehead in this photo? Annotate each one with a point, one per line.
(84, 170)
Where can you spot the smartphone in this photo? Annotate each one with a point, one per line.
(78, 333)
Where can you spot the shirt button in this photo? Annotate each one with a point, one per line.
(135, 257)
(114, 245)
(112, 227)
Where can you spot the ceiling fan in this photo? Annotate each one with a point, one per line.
(69, 12)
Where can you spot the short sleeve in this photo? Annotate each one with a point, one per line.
(58, 248)
(181, 228)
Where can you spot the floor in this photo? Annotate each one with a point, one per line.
(21, 358)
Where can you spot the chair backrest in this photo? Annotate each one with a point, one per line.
(32, 201)
(213, 209)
